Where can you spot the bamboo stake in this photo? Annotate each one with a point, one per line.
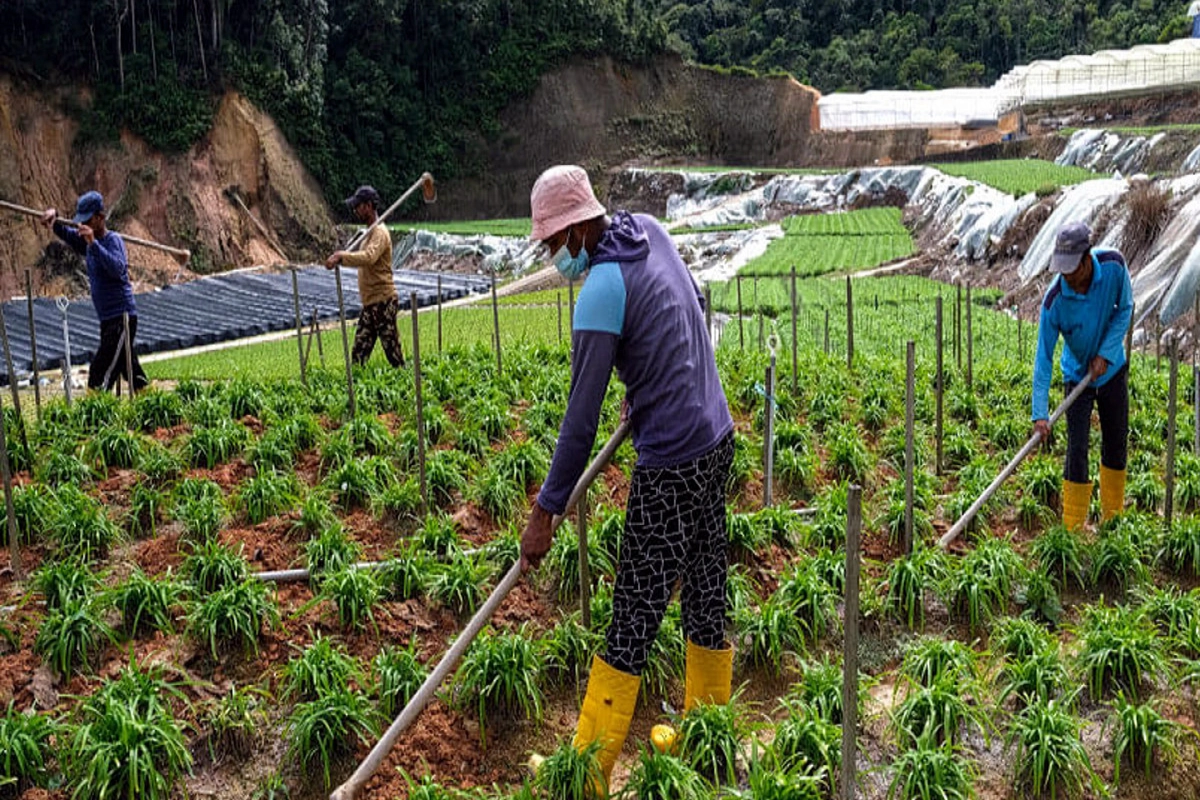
(769, 434)
(439, 311)
(849, 325)
(795, 344)
(299, 327)
(178, 253)
(850, 645)
(1172, 408)
(426, 693)
(12, 383)
(939, 386)
(14, 547)
(496, 323)
(1008, 470)
(337, 271)
(909, 402)
(741, 322)
(970, 343)
(416, 345)
(128, 355)
(37, 378)
(63, 305)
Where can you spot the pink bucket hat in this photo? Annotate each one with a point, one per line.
(562, 196)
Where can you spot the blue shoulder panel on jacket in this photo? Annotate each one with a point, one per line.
(601, 303)
(1109, 256)
(1051, 295)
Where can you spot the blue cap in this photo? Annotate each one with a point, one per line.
(1074, 239)
(89, 205)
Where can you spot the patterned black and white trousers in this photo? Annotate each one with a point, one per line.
(378, 321)
(675, 532)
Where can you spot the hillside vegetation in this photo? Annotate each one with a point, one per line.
(381, 90)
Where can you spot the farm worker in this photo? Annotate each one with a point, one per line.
(376, 288)
(1194, 13)
(112, 293)
(1089, 304)
(640, 311)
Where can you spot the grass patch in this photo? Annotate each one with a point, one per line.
(1019, 177)
(275, 360)
(479, 227)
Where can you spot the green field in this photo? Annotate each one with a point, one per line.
(461, 327)
(866, 222)
(748, 170)
(489, 227)
(1019, 177)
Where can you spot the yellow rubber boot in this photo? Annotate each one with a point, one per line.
(1075, 497)
(606, 714)
(1112, 492)
(709, 676)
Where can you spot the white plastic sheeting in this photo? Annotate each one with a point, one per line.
(1107, 151)
(894, 109)
(499, 253)
(1078, 204)
(719, 256)
(1108, 72)
(975, 214)
(1170, 278)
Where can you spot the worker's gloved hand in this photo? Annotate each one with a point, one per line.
(1098, 367)
(49, 216)
(333, 260)
(1042, 426)
(537, 538)
(87, 234)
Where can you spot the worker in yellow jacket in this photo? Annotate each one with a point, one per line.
(376, 288)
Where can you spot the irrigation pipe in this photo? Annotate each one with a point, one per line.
(186, 255)
(425, 694)
(299, 575)
(1005, 473)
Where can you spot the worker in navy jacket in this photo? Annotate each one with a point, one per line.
(1089, 304)
(640, 312)
(112, 293)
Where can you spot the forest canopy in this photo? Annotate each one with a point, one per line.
(381, 90)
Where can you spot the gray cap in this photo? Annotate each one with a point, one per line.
(1074, 239)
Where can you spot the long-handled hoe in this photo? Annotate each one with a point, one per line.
(1006, 473)
(182, 256)
(425, 694)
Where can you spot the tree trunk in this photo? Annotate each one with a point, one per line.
(119, 14)
(200, 39)
(133, 28)
(153, 46)
(95, 52)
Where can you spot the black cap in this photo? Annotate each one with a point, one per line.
(364, 194)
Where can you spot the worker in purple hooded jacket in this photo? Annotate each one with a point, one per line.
(641, 312)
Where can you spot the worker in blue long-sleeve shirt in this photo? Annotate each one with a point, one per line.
(1089, 304)
(112, 293)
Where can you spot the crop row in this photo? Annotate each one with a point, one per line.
(280, 467)
(864, 222)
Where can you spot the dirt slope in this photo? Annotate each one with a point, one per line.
(601, 114)
(175, 199)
